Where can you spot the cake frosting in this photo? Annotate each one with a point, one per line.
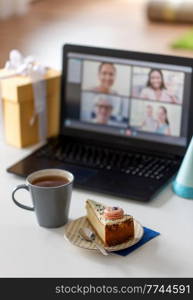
(113, 213)
(101, 212)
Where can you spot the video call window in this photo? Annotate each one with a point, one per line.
(154, 117)
(106, 78)
(133, 98)
(104, 109)
(158, 85)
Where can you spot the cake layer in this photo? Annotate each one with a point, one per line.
(119, 233)
(98, 227)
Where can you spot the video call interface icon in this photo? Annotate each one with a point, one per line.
(144, 100)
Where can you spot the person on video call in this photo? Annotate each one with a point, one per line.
(103, 110)
(163, 124)
(156, 88)
(149, 123)
(106, 76)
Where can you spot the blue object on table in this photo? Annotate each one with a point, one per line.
(147, 236)
(183, 184)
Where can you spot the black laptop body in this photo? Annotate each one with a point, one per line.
(125, 123)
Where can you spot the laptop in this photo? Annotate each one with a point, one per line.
(126, 120)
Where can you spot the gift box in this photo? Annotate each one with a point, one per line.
(21, 122)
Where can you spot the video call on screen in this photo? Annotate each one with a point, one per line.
(129, 98)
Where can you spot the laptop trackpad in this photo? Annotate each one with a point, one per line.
(117, 183)
(81, 175)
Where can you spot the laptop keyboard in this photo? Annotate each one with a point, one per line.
(135, 164)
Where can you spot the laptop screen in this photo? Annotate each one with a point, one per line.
(129, 98)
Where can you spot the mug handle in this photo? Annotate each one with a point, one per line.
(21, 186)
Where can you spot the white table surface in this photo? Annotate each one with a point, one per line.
(27, 250)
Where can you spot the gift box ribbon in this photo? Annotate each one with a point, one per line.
(18, 65)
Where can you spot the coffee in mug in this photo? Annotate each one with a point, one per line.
(50, 181)
(50, 191)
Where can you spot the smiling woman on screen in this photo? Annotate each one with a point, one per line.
(156, 88)
(106, 77)
(103, 110)
(163, 126)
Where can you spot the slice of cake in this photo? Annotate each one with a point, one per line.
(110, 223)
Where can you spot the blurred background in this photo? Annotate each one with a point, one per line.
(41, 27)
